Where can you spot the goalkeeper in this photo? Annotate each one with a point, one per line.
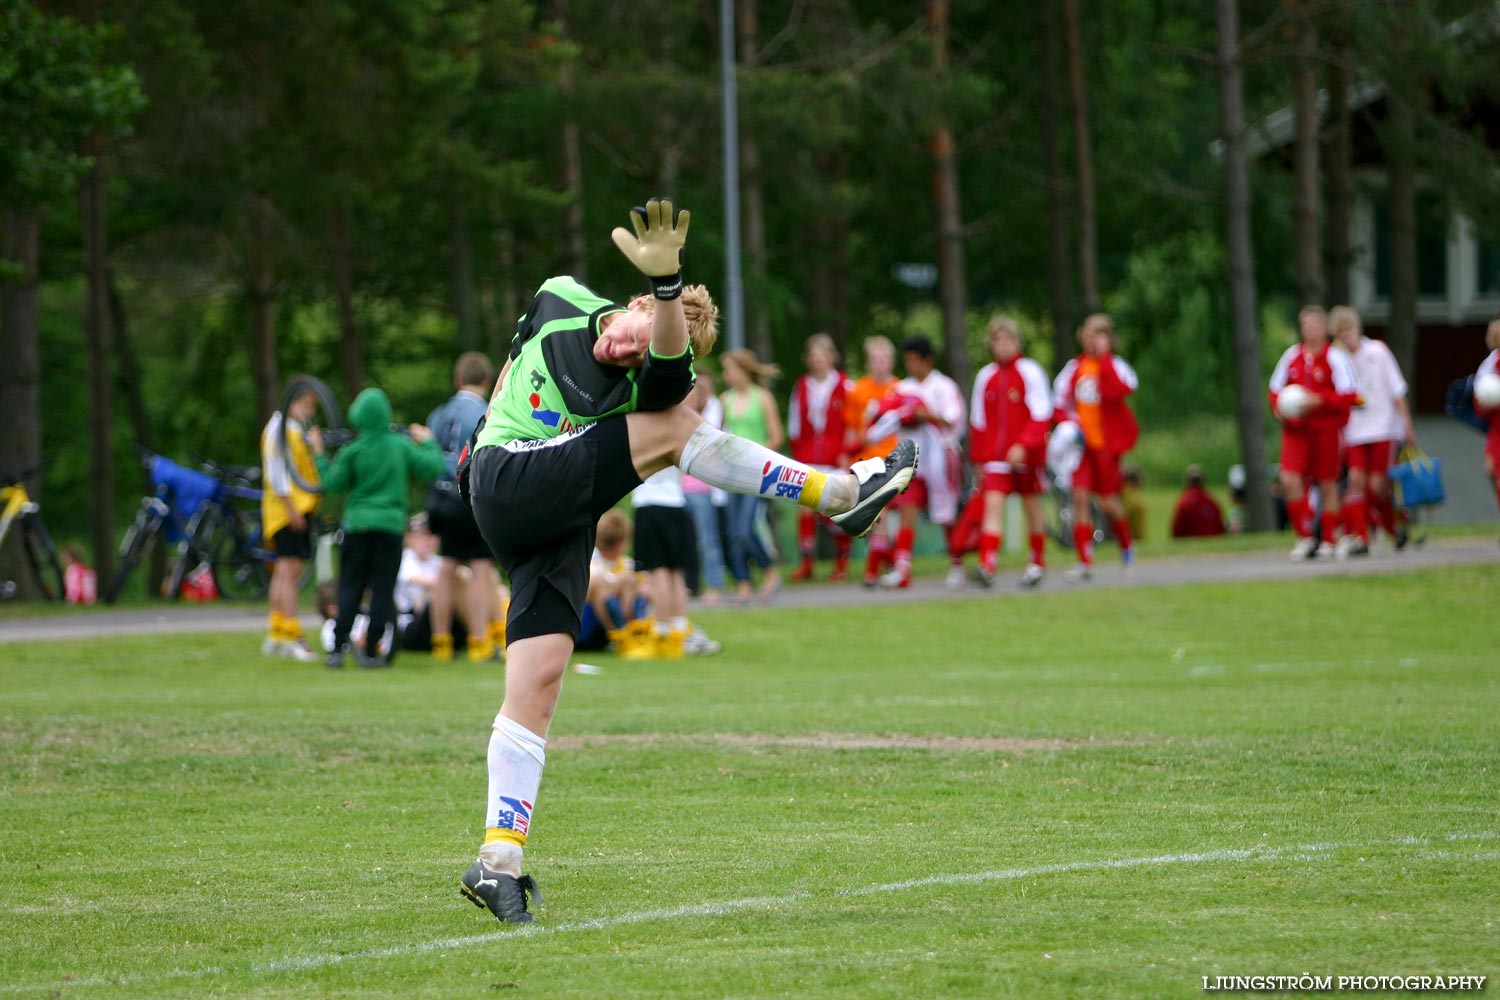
(588, 405)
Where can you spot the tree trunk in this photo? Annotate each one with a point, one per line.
(1309, 253)
(578, 247)
(1083, 158)
(1059, 284)
(20, 397)
(1399, 142)
(1248, 382)
(752, 192)
(1401, 161)
(93, 213)
(951, 280)
(465, 305)
(351, 341)
(262, 290)
(1339, 160)
(128, 370)
(508, 292)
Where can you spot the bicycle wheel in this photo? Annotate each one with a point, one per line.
(41, 552)
(190, 552)
(241, 572)
(328, 416)
(133, 548)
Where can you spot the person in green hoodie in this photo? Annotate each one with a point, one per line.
(375, 469)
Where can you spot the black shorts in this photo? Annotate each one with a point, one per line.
(665, 539)
(289, 543)
(450, 519)
(538, 505)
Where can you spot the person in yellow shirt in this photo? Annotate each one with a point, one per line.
(284, 510)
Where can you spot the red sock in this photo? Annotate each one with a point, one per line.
(1083, 541)
(1330, 521)
(1299, 513)
(879, 552)
(1039, 548)
(904, 540)
(989, 551)
(1121, 528)
(841, 543)
(1357, 516)
(807, 532)
(1387, 508)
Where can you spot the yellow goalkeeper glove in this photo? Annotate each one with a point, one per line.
(656, 246)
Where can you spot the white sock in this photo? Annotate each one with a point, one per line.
(740, 466)
(516, 756)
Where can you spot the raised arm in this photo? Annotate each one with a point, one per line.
(655, 248)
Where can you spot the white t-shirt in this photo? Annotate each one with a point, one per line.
(1380, 385)
(412, 597)
(663, 489)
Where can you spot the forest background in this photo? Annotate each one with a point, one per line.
(202, 199)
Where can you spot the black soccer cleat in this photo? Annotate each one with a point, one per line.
(878, 487)
(503, 895)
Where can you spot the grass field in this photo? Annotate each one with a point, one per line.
(1104, 794)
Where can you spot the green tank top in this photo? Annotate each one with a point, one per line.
(749, 424)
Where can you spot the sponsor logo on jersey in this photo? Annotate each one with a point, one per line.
(551, 418)
(788, 482)
(1087, 391)
(517, 817)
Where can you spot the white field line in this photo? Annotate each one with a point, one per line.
(1299, 853)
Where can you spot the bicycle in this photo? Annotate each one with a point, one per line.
(18, 509)
(179, 493)
(226, 536)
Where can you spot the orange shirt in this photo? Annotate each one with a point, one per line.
(859, 410)
(1086, 402)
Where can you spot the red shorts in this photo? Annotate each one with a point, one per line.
(1311, 454)
(1023, 480)
(915, 495)
(1098, 472)
(1374, 456)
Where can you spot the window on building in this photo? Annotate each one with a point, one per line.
(1432, 248)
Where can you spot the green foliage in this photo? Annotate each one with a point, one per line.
(54, 92)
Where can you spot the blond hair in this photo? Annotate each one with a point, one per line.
(824, 342)
(614, 529)
(701, 313)
(1001, 323)
(746, 361)
(1342, 318)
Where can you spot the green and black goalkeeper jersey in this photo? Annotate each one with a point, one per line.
(554, 383)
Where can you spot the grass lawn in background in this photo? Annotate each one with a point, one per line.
(1107, 793)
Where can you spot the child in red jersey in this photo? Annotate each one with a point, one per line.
(815, 424)
(1091, 391)
(1009, 412)
(1310, 441)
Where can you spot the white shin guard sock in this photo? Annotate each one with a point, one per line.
(740, 466)
(515, 759)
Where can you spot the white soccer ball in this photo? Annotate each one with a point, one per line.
(1293, 401)
(1487, 391)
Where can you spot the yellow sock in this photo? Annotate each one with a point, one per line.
(812, 490)
(442, 646)
(669, 644)
(499, 835)
(480, 650)
(277, 627)
(497, 632)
